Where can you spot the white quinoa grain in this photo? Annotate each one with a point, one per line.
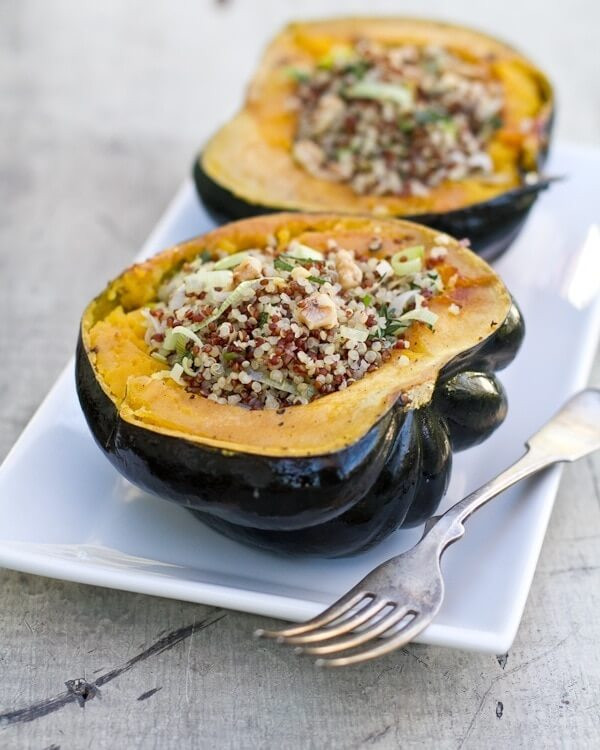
(262, 335)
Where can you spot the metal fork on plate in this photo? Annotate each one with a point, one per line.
(400, 597)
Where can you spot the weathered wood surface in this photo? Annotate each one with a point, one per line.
(101, 108)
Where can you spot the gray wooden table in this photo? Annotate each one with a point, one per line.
(101, 108)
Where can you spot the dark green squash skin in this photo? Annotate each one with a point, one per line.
(332, 505)
(491, 226)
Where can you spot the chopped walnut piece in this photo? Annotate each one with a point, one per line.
(328, 110)
(249, 268)
(349, 272)
(317, 311)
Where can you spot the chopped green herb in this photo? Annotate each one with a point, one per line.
(205, 256)
(230, 356)
(431, 66)
(302, 261)
(392, 325)
(316, 280)
(281, 265)
(427, 116)
(341, 153)
(367, 300)
(263, 318)
(358, 68)
(495, 122)
(181, 350)
(297, 74)
(406, 125)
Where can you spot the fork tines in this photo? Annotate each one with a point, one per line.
(362, 615)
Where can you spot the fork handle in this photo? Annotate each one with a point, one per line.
(449, 527)
(572, 433)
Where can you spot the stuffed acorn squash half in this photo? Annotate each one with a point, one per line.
(297, 381)
(389, 117)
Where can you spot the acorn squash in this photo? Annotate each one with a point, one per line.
(248, 166)
(333, 476)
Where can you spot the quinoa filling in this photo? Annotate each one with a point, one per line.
(396, 120)
(273, 327)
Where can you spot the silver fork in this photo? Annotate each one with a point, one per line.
(400, 597)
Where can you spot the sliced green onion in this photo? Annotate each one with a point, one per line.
(176, 372)
(354, 334)
(233, 300)
(174, 335)
(409, 260)
(367, 300)
(407, 267)
(181, 346)
(422, 314)
(304, 252)
(390, 92)
(230, 261)
(403, 299)
(414, 251)
(187, 363)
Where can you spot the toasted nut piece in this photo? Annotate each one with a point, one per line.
(329, 109)
(317, 311)
(309, 155)
(249, 268)
(350, 274)
(312, 157)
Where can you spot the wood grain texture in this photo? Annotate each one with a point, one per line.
(101, 109)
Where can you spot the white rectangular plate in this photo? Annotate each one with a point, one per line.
(66, 513)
